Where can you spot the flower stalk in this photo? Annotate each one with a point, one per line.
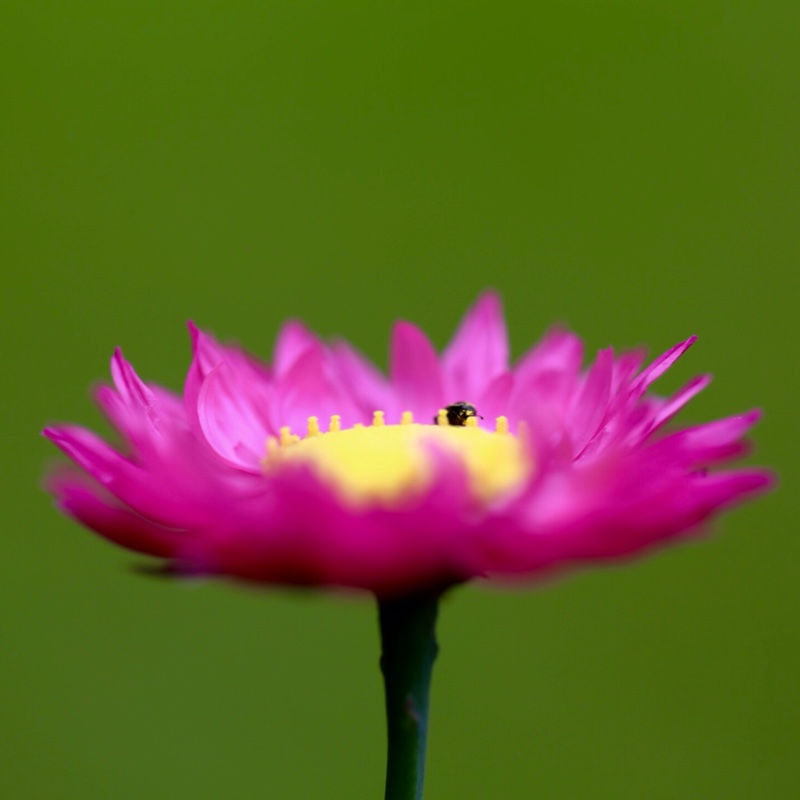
(409, 648)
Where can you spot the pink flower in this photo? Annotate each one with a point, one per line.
(565, 466)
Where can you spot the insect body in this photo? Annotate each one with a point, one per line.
(458, 413)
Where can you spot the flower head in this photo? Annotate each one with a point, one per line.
(317, 469)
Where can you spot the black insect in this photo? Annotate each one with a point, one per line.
(458, 413)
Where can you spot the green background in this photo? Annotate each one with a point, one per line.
(628, 168)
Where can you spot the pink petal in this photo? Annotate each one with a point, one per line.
(233, 416)
(559, 351)
(176, 493)
(116, 523)
(660, 366)
(547, 375)
(142, 413)
(679, 400)
(293, 340)
(479, 350)
(495, 399)
(625, 367)
(415, 373)
(308, 389)
(709, 443)
(207, 352)
(366, 386)
(591, 404)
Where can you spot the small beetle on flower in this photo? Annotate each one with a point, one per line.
(456, 414)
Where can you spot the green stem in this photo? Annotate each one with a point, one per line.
(408, 651)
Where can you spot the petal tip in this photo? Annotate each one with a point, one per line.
(753, 416)
(194, 331)
(50, 433)
(491, 300)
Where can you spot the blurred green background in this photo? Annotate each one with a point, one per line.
(628, 168)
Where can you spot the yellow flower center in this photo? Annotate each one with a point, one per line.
(387, 464)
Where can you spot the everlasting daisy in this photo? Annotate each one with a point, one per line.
(317, 469)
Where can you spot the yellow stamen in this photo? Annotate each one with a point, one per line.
(501, 425)
(392, 464)
(441, 417)
(406, 418)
